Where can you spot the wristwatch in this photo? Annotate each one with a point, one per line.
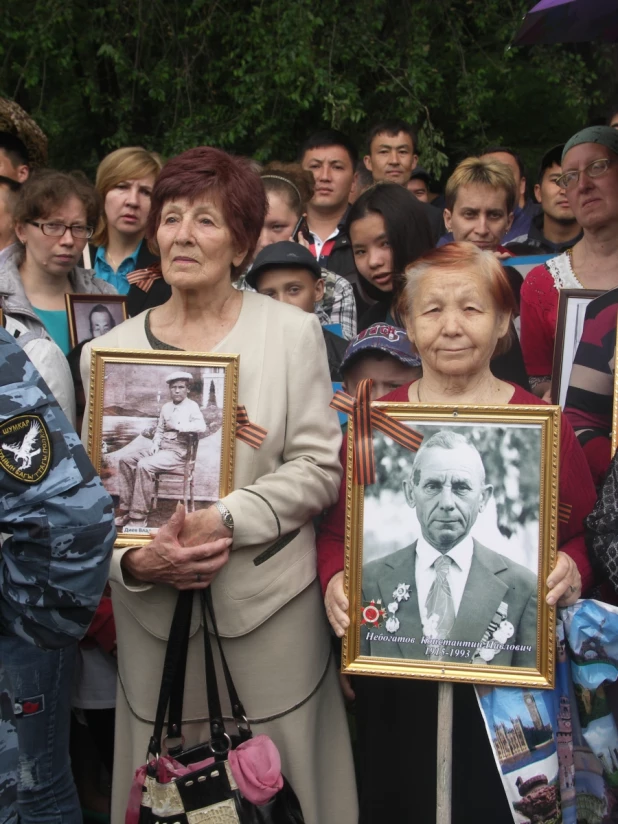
(226, 515)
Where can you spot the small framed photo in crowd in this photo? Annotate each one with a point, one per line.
(91, 316)
(447, 553)
(161, 430)
(615, 405)
(572, 307)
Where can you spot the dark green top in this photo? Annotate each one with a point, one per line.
(155, 342)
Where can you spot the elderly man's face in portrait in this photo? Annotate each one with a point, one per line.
(448, 491)
(101, 323)
(179, 390)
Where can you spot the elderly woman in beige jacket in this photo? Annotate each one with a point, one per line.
(207, 212)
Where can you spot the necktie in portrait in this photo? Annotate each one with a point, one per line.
(439, 606)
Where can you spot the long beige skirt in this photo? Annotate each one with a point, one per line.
(312, 736)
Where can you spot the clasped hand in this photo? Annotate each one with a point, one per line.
(186, 553)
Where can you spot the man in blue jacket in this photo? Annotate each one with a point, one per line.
(57, 527)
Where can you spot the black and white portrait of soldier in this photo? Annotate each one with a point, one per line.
(94, 318)
(447, 596)
(100, 320)
(166, 453)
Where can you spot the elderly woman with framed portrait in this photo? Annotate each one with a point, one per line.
(207, 212)
(458, 306)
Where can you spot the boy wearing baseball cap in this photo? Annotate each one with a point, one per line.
(288, 272)
(384, 354)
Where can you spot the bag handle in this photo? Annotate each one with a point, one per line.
(220, 742)
(173, 680)
(174, 667)
(238, 710)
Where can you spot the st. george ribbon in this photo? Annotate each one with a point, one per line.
(365, 418)
(250, 433)
(564, 513)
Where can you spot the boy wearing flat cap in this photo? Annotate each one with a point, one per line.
(288, 272)
(168, 452)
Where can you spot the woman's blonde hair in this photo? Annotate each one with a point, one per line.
(128, 163)
(478, 171)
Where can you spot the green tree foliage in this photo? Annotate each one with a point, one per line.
(511, 456)
(256, 77)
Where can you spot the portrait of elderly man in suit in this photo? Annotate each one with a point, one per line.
(474, 604)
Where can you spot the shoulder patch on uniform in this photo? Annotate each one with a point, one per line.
(25, 448)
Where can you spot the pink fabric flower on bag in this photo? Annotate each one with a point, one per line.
(256, 766)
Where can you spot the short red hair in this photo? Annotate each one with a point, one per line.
(460, 258)
(231, 180)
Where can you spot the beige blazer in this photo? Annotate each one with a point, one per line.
(285, 386)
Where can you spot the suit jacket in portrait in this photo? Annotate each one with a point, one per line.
(492, 579)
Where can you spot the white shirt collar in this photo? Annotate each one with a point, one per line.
(461, 554)
(319, 243)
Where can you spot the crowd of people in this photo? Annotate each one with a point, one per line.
(318, 273)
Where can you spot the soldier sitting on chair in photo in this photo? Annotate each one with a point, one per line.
(446, 587)
(168, 452)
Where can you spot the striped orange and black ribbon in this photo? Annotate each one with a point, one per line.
(144, 278)
(250, 433)
(365, 417)
(564, 513)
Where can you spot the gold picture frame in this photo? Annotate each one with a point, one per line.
(614, 434)
(572, 305)
(145, 463)
(376, 523)
(112, 310)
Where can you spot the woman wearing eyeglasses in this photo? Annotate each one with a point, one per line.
(54, 216)
(590, 180)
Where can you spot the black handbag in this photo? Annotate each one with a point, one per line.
(209, 794)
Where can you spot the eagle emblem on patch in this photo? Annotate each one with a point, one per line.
(25, 448)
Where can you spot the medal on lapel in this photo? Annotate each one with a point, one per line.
(372, 612)
(402, 593)
(499, 631)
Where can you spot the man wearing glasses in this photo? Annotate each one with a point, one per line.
(54, 215)
(590, 181)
